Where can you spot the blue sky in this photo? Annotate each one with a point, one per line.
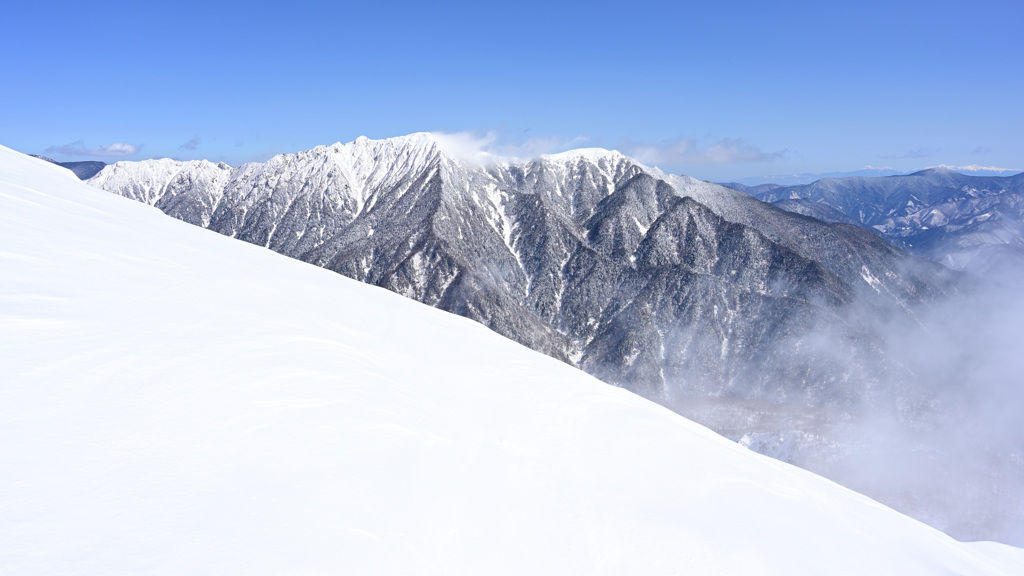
(719, 90)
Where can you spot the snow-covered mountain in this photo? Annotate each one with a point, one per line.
(972, 223)
(175, 402)
(663, 284)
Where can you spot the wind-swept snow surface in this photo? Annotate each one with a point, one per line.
(174, 402)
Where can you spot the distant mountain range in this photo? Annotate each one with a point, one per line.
(84, 170)
(971, 223)
(807, 178)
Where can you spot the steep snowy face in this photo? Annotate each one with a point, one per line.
(174, 402)
(966, 222)
(188, 191)
(279, 202)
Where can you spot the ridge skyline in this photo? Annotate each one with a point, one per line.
(476, 151)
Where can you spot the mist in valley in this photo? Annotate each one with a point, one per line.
(933, 428)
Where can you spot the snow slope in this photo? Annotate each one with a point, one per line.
(175, 402)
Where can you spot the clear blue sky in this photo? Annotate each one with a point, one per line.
(718, 90)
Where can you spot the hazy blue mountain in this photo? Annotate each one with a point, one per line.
(84, 170)
(808, 178)
(973, 223)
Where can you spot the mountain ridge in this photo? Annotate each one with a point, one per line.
(970, 223)
(510, 233)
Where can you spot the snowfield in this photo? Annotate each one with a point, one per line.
(173, 401)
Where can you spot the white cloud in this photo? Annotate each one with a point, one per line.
(538, 146)
(490, 148)
(467, 146)
(687, 151)
(78, 148)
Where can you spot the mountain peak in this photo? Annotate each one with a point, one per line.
(409, 141)
(941, 169)
(591, 154)
(465, 149)
(414, 139)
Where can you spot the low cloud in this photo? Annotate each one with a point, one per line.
(981, 150)
(690, 152)
(78, 148)
(911, 154)
(191, 144)
(467, 146)
(489, 148)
